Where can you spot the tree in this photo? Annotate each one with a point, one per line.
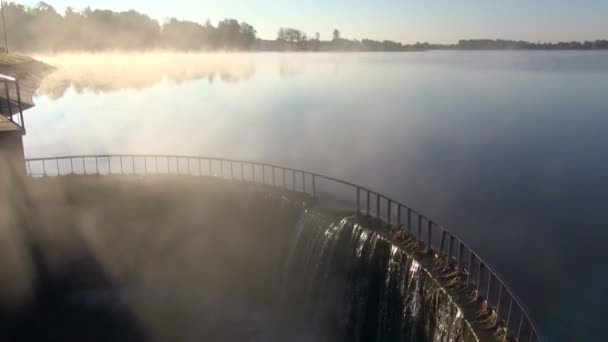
(291, 35)
(228, 33)
(44, 7)
(336, 35)
(248, 35)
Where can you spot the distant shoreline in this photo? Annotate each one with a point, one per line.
(41, 29)
(194, 52)
(353, 46)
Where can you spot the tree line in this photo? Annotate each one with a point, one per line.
(499, 44)
(42, 29)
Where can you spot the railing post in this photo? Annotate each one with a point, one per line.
(43, 168)
(284, 178)
(263, 174)
(450, 248)
(314, 185)
(388, 212)
(409, 220)
(460, 255)
(419, 227)
(72, 165)
(469, 271)
(8, 101)
(398, 215)
(242, 171)
(510, 312)
(133, 164)
(521, 324)
(368, 204)
(96, 165)
(500, 287)
(488, 292)
(358, 200)
(231, 170)
(294, 180)
(20, 106)
(303, 182)
(57, 162)
(274, 179)
(479, 271)
(442, 243)
(429, 233)
(221, 168)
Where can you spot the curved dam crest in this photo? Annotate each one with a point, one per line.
(178, 258)
(379, 291)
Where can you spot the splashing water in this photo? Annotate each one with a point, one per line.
(349, 283)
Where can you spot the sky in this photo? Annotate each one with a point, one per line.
(407, 21)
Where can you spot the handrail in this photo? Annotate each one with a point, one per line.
(7, 78)
(488, 285)
(9, 111)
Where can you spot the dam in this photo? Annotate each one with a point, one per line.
(162, 247)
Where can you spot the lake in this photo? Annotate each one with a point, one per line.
(506, 148)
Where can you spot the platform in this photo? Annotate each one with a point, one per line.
(8, 126)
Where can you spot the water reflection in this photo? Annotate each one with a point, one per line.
(104, 73)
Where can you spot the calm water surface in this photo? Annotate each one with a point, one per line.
(508, 149)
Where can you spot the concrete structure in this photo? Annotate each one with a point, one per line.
(12, 124)
(11, 151)
(18, 83)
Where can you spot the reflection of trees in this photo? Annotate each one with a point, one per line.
(101, 73)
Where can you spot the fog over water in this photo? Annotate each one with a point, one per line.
(507, 149)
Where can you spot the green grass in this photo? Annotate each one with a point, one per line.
(13, 59)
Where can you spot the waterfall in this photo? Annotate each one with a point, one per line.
(342, 281)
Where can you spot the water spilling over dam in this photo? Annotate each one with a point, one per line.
(376, 291)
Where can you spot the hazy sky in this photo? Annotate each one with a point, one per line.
(402, 20)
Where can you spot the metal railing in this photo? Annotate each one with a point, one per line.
(479, 275)
(10, 101)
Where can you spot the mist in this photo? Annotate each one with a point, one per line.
(119, 261)
(109, 72)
